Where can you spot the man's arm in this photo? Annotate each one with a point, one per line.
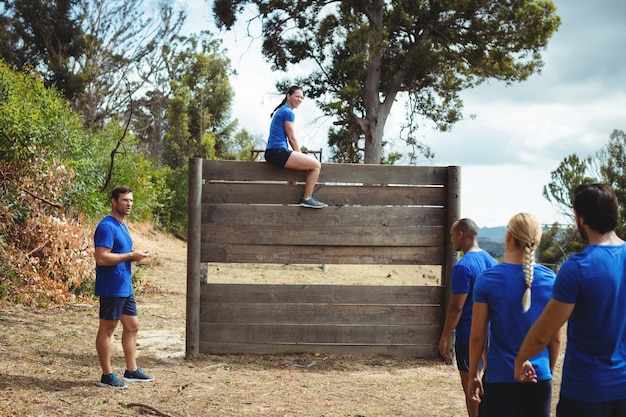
(544, 331)
(554, 347)
(105, 257)
(453, 315)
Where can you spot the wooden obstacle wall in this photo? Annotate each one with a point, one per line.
(243, 212)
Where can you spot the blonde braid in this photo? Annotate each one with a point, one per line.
(529, 261)
(526, 232)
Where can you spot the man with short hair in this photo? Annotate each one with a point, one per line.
(590, 295)
(114, 254)
(464, 237)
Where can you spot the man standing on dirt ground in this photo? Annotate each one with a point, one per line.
(588, 294)
(464, 237)
(114, 254)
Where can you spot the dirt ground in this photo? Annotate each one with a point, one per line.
(49, 366)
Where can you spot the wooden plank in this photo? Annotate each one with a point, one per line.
(346, 294)
(380, 255)
(339, 173)
(293, 313)
(333, 195)
(295, 216)
(310, 232)
(319, 333)
(420, 350)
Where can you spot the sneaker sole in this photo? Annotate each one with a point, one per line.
(311, 206)
(138, 380)
(112, 386)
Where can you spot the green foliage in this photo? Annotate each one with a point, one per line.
(32, 118)
(46, 35)
(52, 173)
(172, 215)
(557, 244)
(369, 54)
(571, 172)
(606, 166)
(200, 104)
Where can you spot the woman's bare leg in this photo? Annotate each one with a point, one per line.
(303, 162)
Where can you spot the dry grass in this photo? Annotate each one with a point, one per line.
(49, 367)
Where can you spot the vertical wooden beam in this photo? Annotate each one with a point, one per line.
(454, 213)
(192, 346)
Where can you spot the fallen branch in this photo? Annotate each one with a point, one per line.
(148, 407)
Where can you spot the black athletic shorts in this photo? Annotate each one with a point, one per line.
(112, 308)
(277, 156)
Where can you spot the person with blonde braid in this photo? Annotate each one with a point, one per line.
(508, 298)
(282, 136)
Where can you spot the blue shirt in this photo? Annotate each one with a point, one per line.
(278, 136)
(462, 278)
(594, 368)
(115, 280)
(502, 288)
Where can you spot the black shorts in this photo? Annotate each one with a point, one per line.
(517, 399)
(461, 353)
(112, 308)
(568, 407)
(278, 156)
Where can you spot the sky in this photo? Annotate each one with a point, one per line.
(517, 134)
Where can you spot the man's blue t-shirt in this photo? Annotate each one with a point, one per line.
(502, 288)
(278, 136)
(115, 280)
(594, 368)
(462, 278)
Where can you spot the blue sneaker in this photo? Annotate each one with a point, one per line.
(137, 376)
(312, 202)
(112, 381)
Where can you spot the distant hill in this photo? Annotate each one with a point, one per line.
(492, 233)
(491, 239)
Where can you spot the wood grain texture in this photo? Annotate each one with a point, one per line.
(376, 214)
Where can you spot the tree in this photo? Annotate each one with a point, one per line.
(126, 54)
(557, 244)
(606, 166)
(45, 35)
(101, 55)
(612, 162)
(368, 54)
(571, 172)
(199, 108)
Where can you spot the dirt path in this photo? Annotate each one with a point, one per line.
(49, 367)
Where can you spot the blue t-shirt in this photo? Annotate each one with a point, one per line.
(462, 278)
(594, 368)
(115, 280)
(502, 288)
(278, 136)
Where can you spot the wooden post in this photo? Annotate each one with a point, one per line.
(192, 347)
(454, 213)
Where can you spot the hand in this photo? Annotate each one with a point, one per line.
(475, 389)
(525, 372)
(139, 255)
(443, 349)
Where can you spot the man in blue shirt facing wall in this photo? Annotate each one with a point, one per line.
(464, 237)
(590, 295)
